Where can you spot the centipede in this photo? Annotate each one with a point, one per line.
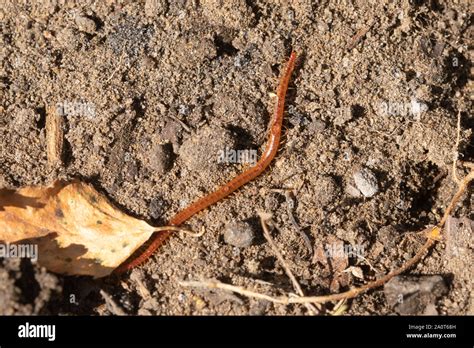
(231, 186)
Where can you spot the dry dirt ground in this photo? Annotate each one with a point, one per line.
(158, 88)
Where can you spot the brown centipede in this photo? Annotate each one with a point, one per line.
(231, 186)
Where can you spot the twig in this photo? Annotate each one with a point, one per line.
(180, 229)
(462, 187)
(366, 261)
(212, 284)
(339, 308)
(313, 299)
(194, 234)
(290, 203)
(54, 136)
(112, 306)
(263, 220)
(184, 125)
(432, 237)
(359, 35)
(456, 149)
(119, 65)
(142, 289)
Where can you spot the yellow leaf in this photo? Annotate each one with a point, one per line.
(76, 229)
(434, 233)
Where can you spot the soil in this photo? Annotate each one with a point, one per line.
(168, 84)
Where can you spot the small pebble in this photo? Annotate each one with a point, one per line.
(366, 182)
(183, 109)
(85, 24)
(239, 234)
(156, 208)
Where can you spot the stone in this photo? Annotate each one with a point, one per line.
(239, 234)
(366, 182)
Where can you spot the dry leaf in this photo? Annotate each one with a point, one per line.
(76, 229)
(356, 272)
(334, 260)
